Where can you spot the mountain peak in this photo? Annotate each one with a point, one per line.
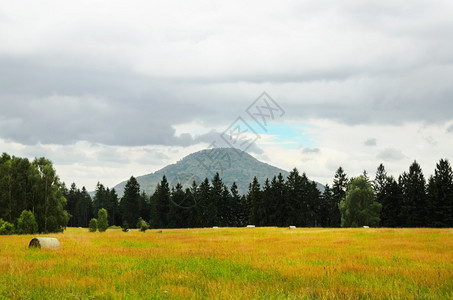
(232, 164)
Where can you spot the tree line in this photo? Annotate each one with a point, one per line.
(407, 201)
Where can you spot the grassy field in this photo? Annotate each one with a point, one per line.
(232, 263)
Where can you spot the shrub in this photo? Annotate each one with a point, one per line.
(103, 222)
(142, 224)
(125, 226)
(93, 226)
(26, 224)
(6, 227)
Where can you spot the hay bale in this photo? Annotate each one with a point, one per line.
(215, 226)
(44, 243)
(250, 226)
(366, 226)
(292, 227)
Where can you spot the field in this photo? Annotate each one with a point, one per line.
(232, 263)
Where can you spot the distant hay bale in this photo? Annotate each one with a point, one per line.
(366, 226)
(44, 243)
(250, 226)
(215, 226)
(292, 227)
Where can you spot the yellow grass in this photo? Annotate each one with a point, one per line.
(232, 263)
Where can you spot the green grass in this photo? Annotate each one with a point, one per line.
(232, 263)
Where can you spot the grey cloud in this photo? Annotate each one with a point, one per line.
(61, 94)
(391, 154)
(310, 150)
(450, 129)
(370, 142)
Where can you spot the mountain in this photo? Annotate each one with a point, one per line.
(232, 164)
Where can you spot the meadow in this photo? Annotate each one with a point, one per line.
(232, 263)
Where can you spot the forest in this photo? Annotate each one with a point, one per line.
(407, 201)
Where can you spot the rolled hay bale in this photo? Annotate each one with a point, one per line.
(291, 227)
(44, 243)
(250, 226)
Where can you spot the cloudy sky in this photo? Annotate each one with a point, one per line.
(110, 89)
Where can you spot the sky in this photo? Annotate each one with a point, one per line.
(110, 89)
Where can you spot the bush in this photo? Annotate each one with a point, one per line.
(93, 226)
(125, 226)
(114, 227)
(26, 224)
(103, 222)
(6, 227)
(142, 224)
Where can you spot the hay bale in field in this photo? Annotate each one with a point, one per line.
(250, 226)
(366, 226)
(215, 226)
(292, 227)
(44, 243)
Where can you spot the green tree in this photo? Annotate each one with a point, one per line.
(280, 193)
(103, 223)
(6, 228)
(72, 196)
(254, 199)
(359, 208)
(340, 184)
(129, 204)
(326, 200)
(214, 206)
(413, 204)
(84, 208)
(93, 226)
(390, 198)
(50, 203)
(236, 207)
(142, 225)
(440, 195)
(160, 204)
(26, 224)
(202, 197)
(175, 216)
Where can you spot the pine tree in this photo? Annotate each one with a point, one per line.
(129, 204)
(84, 209)
(203, 201)
(236, 207)
(144, 206)
(254, 200)
(72, 196)
(440, 193)
(295, 200)
(162, 203)
(326, 202)
(175, 217)
(339, 192)
(279, 189)
(191, 198)
(379, 185)
(390, 198)
(413, 204)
